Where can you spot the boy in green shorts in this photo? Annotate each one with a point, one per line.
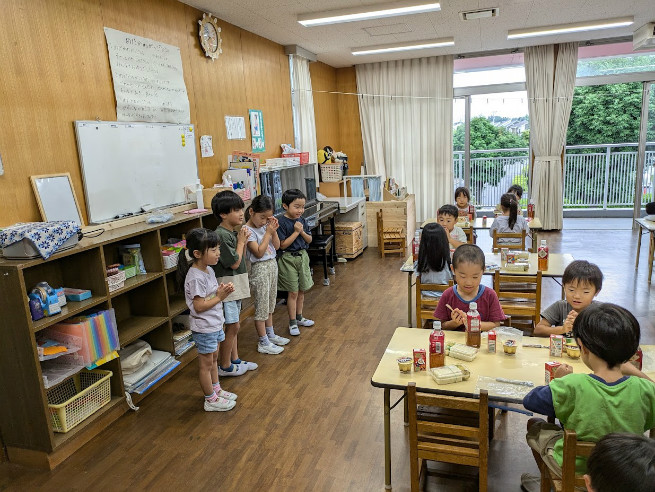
(294, 275)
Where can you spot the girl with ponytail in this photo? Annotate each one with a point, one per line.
(510, 220)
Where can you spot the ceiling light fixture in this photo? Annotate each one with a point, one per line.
(392, 48)
(569, 28)
(363, 13)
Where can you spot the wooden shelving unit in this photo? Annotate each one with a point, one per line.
(144, 308)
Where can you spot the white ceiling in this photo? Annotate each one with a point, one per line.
(276, 20)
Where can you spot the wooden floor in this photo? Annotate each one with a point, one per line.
(309, 419)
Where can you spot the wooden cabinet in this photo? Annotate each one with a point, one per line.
(397, 213)
(144, 307)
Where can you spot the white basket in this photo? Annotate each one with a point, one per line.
(170, 261)
(117, 281)
(331, 172)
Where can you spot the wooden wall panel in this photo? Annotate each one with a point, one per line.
(350, 130)
(326, 109)
(64, 75)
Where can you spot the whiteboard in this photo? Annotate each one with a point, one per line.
(128, 165)
(56, 198)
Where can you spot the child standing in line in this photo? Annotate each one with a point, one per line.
(294, 276)
(231, 267)
(596, 404)
(463, 202)
(509, 221)
(203, 297)
(434, 258)
(447, 217)
(263, 242)
(582, 282)
(469, 265)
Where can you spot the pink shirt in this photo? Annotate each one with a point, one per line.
(488, 304)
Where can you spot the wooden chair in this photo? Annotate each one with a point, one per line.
(426, 305)
(508, 235)
(447, 442)
(390, 239)
(569, 480)
(524, 301)
(470, 234)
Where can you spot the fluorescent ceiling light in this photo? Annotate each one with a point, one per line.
(365, 13)
(419, 45)
(569, 28)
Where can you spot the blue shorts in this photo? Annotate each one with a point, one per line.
(207, 343)
(231, 311)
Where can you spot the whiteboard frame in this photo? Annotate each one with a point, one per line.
(39, 201)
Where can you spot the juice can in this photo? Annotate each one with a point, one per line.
(556, 345)
(551, 367)
(491, 341)
(419, 360)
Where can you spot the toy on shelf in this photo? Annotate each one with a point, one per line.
(44, 301)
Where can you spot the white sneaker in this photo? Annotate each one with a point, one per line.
(220, 405)
(269, 349)
(238, 370)
(250, 366)
(305, 322)
(293, 330)
(227, 395)
(278, 340)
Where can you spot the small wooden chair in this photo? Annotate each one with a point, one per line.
(426, 305)
(470, 234)
(390, 239)
(569, 480)
(454, 442)
(523, 301)
(508, 235)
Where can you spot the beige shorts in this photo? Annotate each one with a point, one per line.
(263, 282)
(542, 437)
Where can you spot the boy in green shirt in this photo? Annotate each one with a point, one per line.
(231, 267)
(596, 404)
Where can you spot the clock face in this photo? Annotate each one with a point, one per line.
(210, 36)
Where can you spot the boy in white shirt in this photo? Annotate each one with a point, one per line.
(447, 217)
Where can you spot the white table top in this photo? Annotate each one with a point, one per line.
(557, 263)
(528, 364)
(646, 224)
(346, 204)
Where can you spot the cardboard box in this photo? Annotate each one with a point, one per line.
(556, 345)
(303, 157)
(208, 194)
(420, 361)
(551, 367)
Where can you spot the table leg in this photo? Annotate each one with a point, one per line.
(406, 410)
(409, 299)
(651, 249)
(535, 242)
(387, 439)
(638, 246)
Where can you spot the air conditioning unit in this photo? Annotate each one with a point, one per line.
(644, 38)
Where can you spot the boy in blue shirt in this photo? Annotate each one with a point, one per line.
(596, 404)
(294, 275)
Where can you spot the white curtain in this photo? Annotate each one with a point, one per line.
(406, 111)
(303, 106)
(550, 80)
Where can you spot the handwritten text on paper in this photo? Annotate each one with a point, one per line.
(148, 79)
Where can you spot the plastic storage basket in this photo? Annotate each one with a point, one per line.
(170, 261)
(78, 398)
(117, 281)
(331, 172)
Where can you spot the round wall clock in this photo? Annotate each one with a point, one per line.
(210, 36)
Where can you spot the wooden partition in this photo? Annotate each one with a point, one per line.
(65, 76)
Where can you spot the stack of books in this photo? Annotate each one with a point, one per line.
(182, 341)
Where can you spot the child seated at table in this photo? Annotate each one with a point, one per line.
(447, 217)
(434, 258)
(509, 221)
(582, 282)
(468, 266)
(517, 191)
(622, 462)
(463, 202)
(592, 405)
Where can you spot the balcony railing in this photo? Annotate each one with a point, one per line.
(595, 176)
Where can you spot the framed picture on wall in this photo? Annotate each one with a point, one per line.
(257, 130)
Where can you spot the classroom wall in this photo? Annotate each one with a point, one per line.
(55, 70)
(337, 114)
